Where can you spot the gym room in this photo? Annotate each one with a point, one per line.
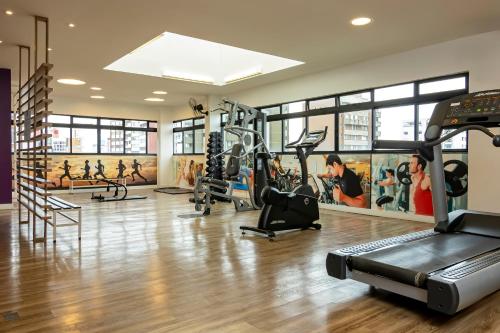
(249, 166)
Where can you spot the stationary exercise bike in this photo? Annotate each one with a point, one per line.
(291, 210)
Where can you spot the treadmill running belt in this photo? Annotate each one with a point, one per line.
(411, 262)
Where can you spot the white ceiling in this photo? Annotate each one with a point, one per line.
(316, 32)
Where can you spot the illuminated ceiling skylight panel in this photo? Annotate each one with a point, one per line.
(181, 57)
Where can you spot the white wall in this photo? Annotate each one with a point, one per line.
(477, 54)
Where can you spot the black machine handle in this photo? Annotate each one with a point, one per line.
(292, 144)
(317, 143)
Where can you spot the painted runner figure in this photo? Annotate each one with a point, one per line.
(100, 170)
(86, 169)
(66, 169)
(121, 168)
(137, 166)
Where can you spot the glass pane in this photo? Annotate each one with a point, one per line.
(135, 142)
(322, 103)
(272, 110)
(188, 142)
(224, 117)
(362, 97)
(273, 139)
(111, 141)
(85, 121)
(187, 123)
(178, 143)
(292, 129)
(394, 92)
(111, 122)
(199, 141)
(60, 140)
(200, 121)
(57, 119)
(294, 107)
(355, 130)
(152, 142)
(153, 124)
(84, 140)
(395, 123)
(229, 140)
(442, 85)
(177, 124)
(136, 123)
(318, 123)
(424, 115)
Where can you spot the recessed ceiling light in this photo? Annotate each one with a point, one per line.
(96, 88)
(71, 25)
(361, 21)
(9, 12)
(159, 92)
(154, 99)
(49, 49)
(71, 82)
(97, 97)
(1, 41)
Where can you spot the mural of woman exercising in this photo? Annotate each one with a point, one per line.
(191, 173)
(421, 186)
(388, 184)
(66, 169)
(100, 170)
(349, 190)
(137, 166)
(121, 168)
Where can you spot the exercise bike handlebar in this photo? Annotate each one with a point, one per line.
(294, 143)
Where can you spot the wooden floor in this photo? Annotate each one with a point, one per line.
(142, 268)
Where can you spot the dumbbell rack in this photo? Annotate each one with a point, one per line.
(215, 166)
(32, 147)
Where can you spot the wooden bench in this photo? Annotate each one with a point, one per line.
(61, 207)
(72, 182)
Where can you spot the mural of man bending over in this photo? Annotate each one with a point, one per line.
(349, 190)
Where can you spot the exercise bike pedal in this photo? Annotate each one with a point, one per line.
(317, 226)
(206, 212)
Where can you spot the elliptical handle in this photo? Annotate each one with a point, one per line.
(292, 144)
(397, 144)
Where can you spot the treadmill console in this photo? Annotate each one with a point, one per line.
(480, 108)
(313, 138)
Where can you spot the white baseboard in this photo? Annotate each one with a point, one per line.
(6, 206)
(380, 213)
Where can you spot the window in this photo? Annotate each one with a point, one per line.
(229, 139)
(188, 140)
(58, 119)
(294, 107)
(273, 135)
(424, 115)
(187, 123)
(112, 122)
(394, 92)
(178, 143)
(355, 130)
(356, 98)
(271, 111)
(84, 140)
(322, 103)
(177, 124)
(292, 129)
(199, 121)
(442, 85)
(199, 141)
(392, 123)
(112, 141)
(135, 142)
(318, 123)
(136, 123)
(153, 124)
(152, 142)
(60, 140)
(84, 121)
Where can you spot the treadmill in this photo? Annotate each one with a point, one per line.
(458, 262)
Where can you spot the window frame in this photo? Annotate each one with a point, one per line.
(187, 129)
(416, 100)
(100, 127)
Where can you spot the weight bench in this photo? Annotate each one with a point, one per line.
(62, 207)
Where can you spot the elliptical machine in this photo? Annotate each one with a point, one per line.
(291, 210)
